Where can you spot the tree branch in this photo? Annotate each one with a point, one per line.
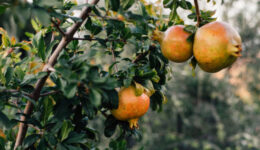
(113, 56)
(197, 12)
(58, 28)
(49, 93)
(16, 91)
(52, 60)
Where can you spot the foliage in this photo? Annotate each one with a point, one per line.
(112, 49)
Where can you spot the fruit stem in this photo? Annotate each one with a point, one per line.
(157, 35)
(197, 12)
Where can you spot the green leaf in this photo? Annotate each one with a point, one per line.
(75, 138)
(60, 146)
(66, 129)
(95, 97)
(112, 99)
(41, 48)
(96, 11)
(70, 147)
(35, 24)
(4, 121)
(50, 3)
(42, 15)
(185, 4)
(49, 48)
(8, 74)
(48, 106)
(42, 145)
(193, 63)
(28, 79)
(190, 29)
(110, 126)
(139, 89)
(156, 101)
(93, 27)
(115, 4)
(2, 9)
(2, 143)
(70, 90)
(64, 16)
(149, 85)
(191, 38)
(119, 144)
(31, 139)
(173, 14)
(192, 16)
(127, 4)
(51, 138)
(169, 3)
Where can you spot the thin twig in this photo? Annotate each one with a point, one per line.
(52, 36)
(104, 114)
(96, 39)
(142, 55)
(58, 28)
(16, 91)
(49, 93)
(51, 62)
(197, 12)
(113, 56)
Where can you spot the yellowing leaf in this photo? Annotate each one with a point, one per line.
(139, 89)
(5, 39)
(13, 41)
(25, 47)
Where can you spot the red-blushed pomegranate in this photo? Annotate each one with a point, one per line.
(131, 107)
(174, 44)
(217, 45)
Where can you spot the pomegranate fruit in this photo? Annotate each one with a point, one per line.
(174, 44)
(216, 46)
(131, 107)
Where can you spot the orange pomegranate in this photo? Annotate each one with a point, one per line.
(217, 45)
(174, 44)
(131, 107)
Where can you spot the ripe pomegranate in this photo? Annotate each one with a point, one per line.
(216, 46)
(174, 44)
(131, 107)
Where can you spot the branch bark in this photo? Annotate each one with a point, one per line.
(197, 12)
(51, 62)
(49, 93)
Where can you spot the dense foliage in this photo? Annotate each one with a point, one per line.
(112, 49)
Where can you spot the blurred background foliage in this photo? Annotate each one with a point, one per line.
(207, 112)
(218, 111)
